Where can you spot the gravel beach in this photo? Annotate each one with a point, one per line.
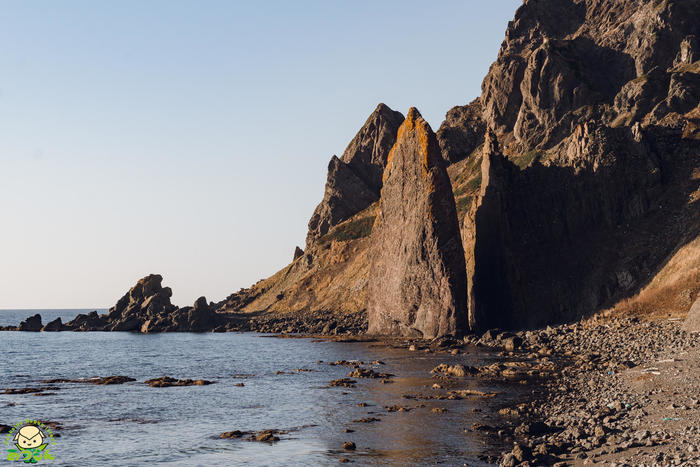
(621, 392)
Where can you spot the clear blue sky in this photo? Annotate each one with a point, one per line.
(191, 139)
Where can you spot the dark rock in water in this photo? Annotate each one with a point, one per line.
(692, 321)
(52, 326)
(145, 308)
(33, 324)
(417, 280)
(132, 323)
(146, 299)
(263, 436)
(462, 131)
(100, 381)
(201, 317)
(266, 436)
(355, 179)
(87, 322)
(23, 391)
(368, 373)
(298, 253)
(342, 382)
(167, 381)
(5, 428)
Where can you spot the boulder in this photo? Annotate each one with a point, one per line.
(133, 323)
(417, 278)
(32, 324)
(692, 321)
(87, 322)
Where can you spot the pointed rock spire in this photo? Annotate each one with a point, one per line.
(417, 283)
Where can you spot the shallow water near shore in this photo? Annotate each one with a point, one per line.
(134, 424)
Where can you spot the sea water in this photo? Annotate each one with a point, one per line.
(135, 424)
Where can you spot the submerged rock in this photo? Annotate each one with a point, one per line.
(167, 381)
(417, 276)
(100, 381)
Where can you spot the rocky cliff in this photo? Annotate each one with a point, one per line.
(592, 188)
(575, 174)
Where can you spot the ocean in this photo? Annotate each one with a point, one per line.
(135, 424)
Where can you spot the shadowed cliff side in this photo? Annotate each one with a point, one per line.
(594, 187)
(582, 239)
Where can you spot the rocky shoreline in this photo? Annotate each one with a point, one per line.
(146, 308)
(621, 392)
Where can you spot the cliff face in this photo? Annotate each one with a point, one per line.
(564, 61)
(575, 180)
(592, 188)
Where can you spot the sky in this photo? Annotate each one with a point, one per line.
(191, 138)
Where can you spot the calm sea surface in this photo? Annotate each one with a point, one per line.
(134, 424)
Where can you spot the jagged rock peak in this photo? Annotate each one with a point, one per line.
(417, 279)
(355, 179)
(298, 253)
(462, 131)
(367, 152)
(564, 60)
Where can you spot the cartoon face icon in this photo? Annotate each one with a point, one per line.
(29, 437)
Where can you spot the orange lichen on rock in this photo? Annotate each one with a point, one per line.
(415, 125)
